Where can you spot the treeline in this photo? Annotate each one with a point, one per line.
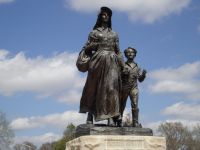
(68, 135)
(180, 137)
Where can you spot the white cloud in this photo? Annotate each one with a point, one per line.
(187, 114)
(153, 125)
(3, 54)
(186, 71)
(59, 120)
(143, 10)
(56, 76)
(182, 80)
(6, 1)
(38, 140)
(182, 110)
(198, 28)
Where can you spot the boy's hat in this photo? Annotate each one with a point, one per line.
(130, 48)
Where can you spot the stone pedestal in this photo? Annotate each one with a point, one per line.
(117, 142)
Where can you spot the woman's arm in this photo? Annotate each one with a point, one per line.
(91, 44)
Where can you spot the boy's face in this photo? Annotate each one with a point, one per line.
(130, 54)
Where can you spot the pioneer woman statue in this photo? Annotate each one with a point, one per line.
(102, 59)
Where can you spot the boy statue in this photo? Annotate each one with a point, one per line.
(131, 74)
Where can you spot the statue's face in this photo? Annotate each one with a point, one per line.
(130, 54)
(104, 17)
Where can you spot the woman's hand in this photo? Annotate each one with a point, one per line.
(91, 47)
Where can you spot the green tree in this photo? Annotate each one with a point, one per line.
(68, 134)
(60, 144)
(6, 133)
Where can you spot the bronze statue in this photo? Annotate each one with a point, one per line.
(102, 58)
(130, 75)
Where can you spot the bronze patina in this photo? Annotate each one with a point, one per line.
(102, 59)
(110, 80)
(131, 74)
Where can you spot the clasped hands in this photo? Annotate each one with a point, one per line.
(91, 47)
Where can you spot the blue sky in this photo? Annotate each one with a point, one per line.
(40, 86)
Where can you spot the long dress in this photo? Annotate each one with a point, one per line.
(101, 93)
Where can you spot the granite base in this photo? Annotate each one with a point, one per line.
(117, 142)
